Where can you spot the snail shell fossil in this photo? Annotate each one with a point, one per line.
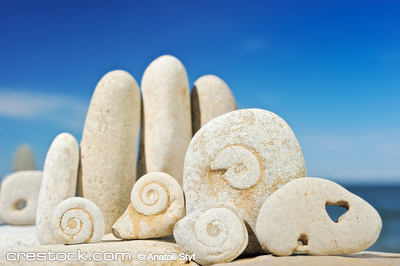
(157, 203)
(241, 165)
(78, 220)
(215, 235)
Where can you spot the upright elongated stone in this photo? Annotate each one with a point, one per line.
(59, 183)
(238, 159)
(19, 197)
(24, 159)
(108, 148)
(294, 218)
(210, 97)
(167, 118)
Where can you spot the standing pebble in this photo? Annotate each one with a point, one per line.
(19, 197)
(296, 213)
(214, 235)
(210, 97)
(78, 220)
(167, 117)
(157, 204)
(59, 183)
(108, 148)
(238, 159)
(24, 159)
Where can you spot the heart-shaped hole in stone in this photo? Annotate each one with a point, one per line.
(336, 209)
(20, 204)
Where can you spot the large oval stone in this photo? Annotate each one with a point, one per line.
(294, 218)
(238, 159)
(108, 148)
(166, 127)
(59, 183)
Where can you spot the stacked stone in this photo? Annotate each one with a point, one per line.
(108, 148)
(243, 176)
(59, 183)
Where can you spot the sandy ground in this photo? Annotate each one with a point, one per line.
(12, 236)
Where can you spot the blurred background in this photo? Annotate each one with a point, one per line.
(331, 70)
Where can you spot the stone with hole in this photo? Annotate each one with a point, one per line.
(210, 97)
(294, 218)
(157, 203)
(59, 183)
(108, 149)
(214, 235)
(24, 159)
(19, 197)
(77, 220)
(238, 159)
(167, 118)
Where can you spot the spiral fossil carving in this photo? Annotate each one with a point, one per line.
(78, 220)
(156, 205)
(241, 165)
(215, 235)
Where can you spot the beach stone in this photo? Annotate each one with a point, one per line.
(24, 158)
(294, 218)
(19, 197)
(157, 203)
(210, 97)
(78, 220)
(215, 235)
(108, 149)
(238, 159)
(167, 117)
(60, 174)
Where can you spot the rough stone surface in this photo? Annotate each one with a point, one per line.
(16, 189)
(108, 148)
(155, 247)
(157, 204)
(59, 183)
(297, 212)
(167, 117)
(214, 235)
(359, 259)
(238, 159)
(78, 220)
(210, 97)
(13, 236)
(24, 159)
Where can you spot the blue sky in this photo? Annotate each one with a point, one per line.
(331, 69)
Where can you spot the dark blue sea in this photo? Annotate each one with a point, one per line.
(386, 200)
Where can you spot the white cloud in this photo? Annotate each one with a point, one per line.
(253, 45)
(67, 110)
